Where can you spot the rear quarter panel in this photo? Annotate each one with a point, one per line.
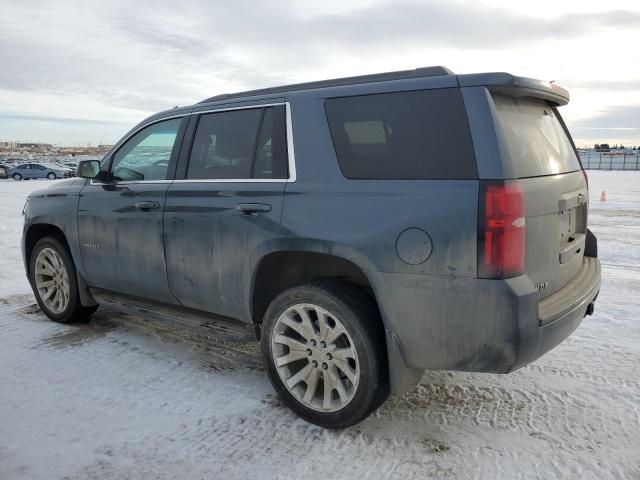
(360, 220)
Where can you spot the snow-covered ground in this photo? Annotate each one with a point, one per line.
(113, 400)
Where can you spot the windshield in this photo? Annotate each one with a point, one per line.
(536, 142)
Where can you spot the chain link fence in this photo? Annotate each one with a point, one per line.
(604, 161)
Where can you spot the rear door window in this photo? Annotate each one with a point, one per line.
(536, 141)
(240, 144)
(402, 135)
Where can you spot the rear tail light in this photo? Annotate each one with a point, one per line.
(501, 229)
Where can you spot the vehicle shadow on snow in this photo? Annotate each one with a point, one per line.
(423, 411)
(213, 354)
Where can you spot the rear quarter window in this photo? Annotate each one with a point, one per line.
(416, 135)
(536, 142)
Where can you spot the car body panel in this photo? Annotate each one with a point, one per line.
(57, 206)
(212, 247)
(120, 243)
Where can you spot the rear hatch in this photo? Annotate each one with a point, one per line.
(545, 163)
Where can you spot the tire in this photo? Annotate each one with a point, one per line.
(54, 252)
(351, 311)
(51, 176)
(17, 177)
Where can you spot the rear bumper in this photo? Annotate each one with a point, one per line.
(561, 313)
(493, 326)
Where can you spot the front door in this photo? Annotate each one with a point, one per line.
(120, 220)
(223, 211)
(38, 171)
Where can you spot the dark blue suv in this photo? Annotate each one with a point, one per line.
(363, 229)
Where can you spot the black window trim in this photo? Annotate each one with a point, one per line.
(254, 152)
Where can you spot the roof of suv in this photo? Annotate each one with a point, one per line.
(335, 82)
(497, 81)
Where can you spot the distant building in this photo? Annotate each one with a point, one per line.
(34, 145)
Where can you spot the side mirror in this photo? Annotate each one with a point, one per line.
(88, 168)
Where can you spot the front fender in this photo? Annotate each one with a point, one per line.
(56, 208)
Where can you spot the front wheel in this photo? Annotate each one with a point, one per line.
(53, 277)
(323, 347)
(51, 176)
(17, 177)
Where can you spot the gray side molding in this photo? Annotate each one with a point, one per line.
(402, 378)
(86, 299)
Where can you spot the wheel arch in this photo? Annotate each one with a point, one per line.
(280, 270)
(283, 269)
(37, 231)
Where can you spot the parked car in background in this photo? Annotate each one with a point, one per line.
(70, 164)
(13, 162)
(59, 166)
(28, 171)
(3, 170)
(60, 163)
(363, 229)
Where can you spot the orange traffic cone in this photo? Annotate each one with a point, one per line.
(603, 196)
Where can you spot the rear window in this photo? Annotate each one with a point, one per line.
(402, 135)
(536, 142)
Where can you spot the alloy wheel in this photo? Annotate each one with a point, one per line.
(315, 357)
(52, 280)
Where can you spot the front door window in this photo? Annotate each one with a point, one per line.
(145, 156)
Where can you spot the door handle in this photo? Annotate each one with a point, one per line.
(254, 208)
(146, 206)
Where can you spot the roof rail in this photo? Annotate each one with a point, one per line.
(435, 71)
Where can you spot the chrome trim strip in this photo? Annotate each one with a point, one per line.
(290, 150)
(232, 180)
(129, 182)
(242, 107)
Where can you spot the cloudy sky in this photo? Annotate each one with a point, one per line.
(84, 71)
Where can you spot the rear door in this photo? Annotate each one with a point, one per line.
(541, 155)
(25, 171)
(120, 220)
(223, 211)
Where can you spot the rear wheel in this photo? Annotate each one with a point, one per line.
(51, 176)
(325, 354)
(17, 177)
(53, 277)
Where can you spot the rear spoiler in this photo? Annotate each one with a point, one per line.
(513, 86)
